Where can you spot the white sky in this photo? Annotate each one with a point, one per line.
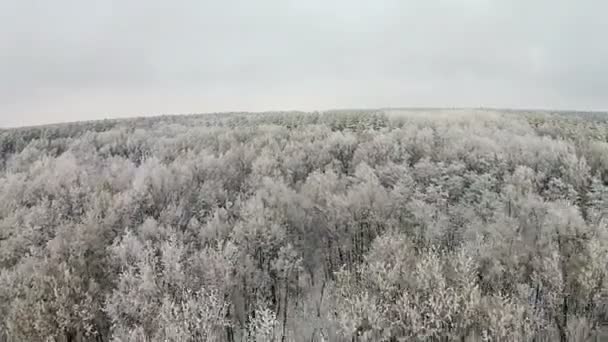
(68, 60)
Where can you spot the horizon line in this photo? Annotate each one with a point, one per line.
(159, 115)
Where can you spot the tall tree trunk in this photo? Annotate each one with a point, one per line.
(229, 331)
(285, 308)
(321, 299)
(563, 333)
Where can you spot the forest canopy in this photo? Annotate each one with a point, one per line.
(388, 225)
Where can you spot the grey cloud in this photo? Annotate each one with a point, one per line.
(72, 60)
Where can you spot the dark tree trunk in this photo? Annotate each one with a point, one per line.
(285, 309)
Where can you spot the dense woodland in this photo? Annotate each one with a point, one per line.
(396, 225)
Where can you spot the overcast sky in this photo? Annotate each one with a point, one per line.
(66, 60)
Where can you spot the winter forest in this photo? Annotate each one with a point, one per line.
(392, 225)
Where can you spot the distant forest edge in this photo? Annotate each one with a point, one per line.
(347, 225)
(20, 136)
